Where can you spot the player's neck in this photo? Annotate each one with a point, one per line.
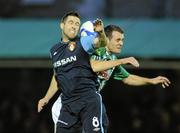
(65, 40)
(108, 50)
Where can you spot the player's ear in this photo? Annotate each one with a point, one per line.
(61, 25)
(107, 40)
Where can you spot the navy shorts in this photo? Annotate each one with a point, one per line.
(86, 113)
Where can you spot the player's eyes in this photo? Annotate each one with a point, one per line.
(70, 22)
(77, 24)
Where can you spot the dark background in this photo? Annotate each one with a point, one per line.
(137, 109)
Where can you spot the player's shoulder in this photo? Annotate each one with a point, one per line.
(100, 51)
(55, 47)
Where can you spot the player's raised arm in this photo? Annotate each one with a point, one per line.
(98, 65)
(101, 40)
(92, 35)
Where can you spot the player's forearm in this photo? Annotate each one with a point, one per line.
(51, 90)
(137, 80)
(98, 66)
(99, 28)
(50, 93)
(102, 39)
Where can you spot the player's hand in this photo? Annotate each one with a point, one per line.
(165, 82)
(42, 102)
(98, 25)
(130, 60)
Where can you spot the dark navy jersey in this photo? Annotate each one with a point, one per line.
(73, 72)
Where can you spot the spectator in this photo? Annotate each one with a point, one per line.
(91, 9)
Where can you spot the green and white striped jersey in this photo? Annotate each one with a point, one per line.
(118, 72)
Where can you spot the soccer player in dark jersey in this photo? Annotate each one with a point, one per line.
(81, 103)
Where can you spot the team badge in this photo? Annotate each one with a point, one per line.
(103, 75)
(72, 46)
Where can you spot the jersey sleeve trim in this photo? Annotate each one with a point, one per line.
(120, 73)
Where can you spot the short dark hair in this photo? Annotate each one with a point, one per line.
(71, 13)
(110, 28)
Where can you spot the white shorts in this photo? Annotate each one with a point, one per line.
(56, 109)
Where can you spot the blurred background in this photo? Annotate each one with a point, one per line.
(29, 28)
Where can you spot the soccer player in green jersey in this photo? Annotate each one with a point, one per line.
(115, 37)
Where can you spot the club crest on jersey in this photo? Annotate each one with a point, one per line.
(72, 46)
(103, 75)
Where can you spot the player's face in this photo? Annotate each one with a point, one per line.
(116, 42)
(70, 27)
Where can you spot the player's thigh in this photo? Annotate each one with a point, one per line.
(92, 115)
(76, 128)
(68, 122)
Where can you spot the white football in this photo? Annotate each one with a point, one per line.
(87, 29)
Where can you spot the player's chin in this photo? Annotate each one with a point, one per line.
(118, 51)
(72, 36)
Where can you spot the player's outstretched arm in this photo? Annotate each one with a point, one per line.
(50, 93)
(164, 81)
(98, 66)
(138, 80)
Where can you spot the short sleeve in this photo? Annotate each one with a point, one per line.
(120, 73)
